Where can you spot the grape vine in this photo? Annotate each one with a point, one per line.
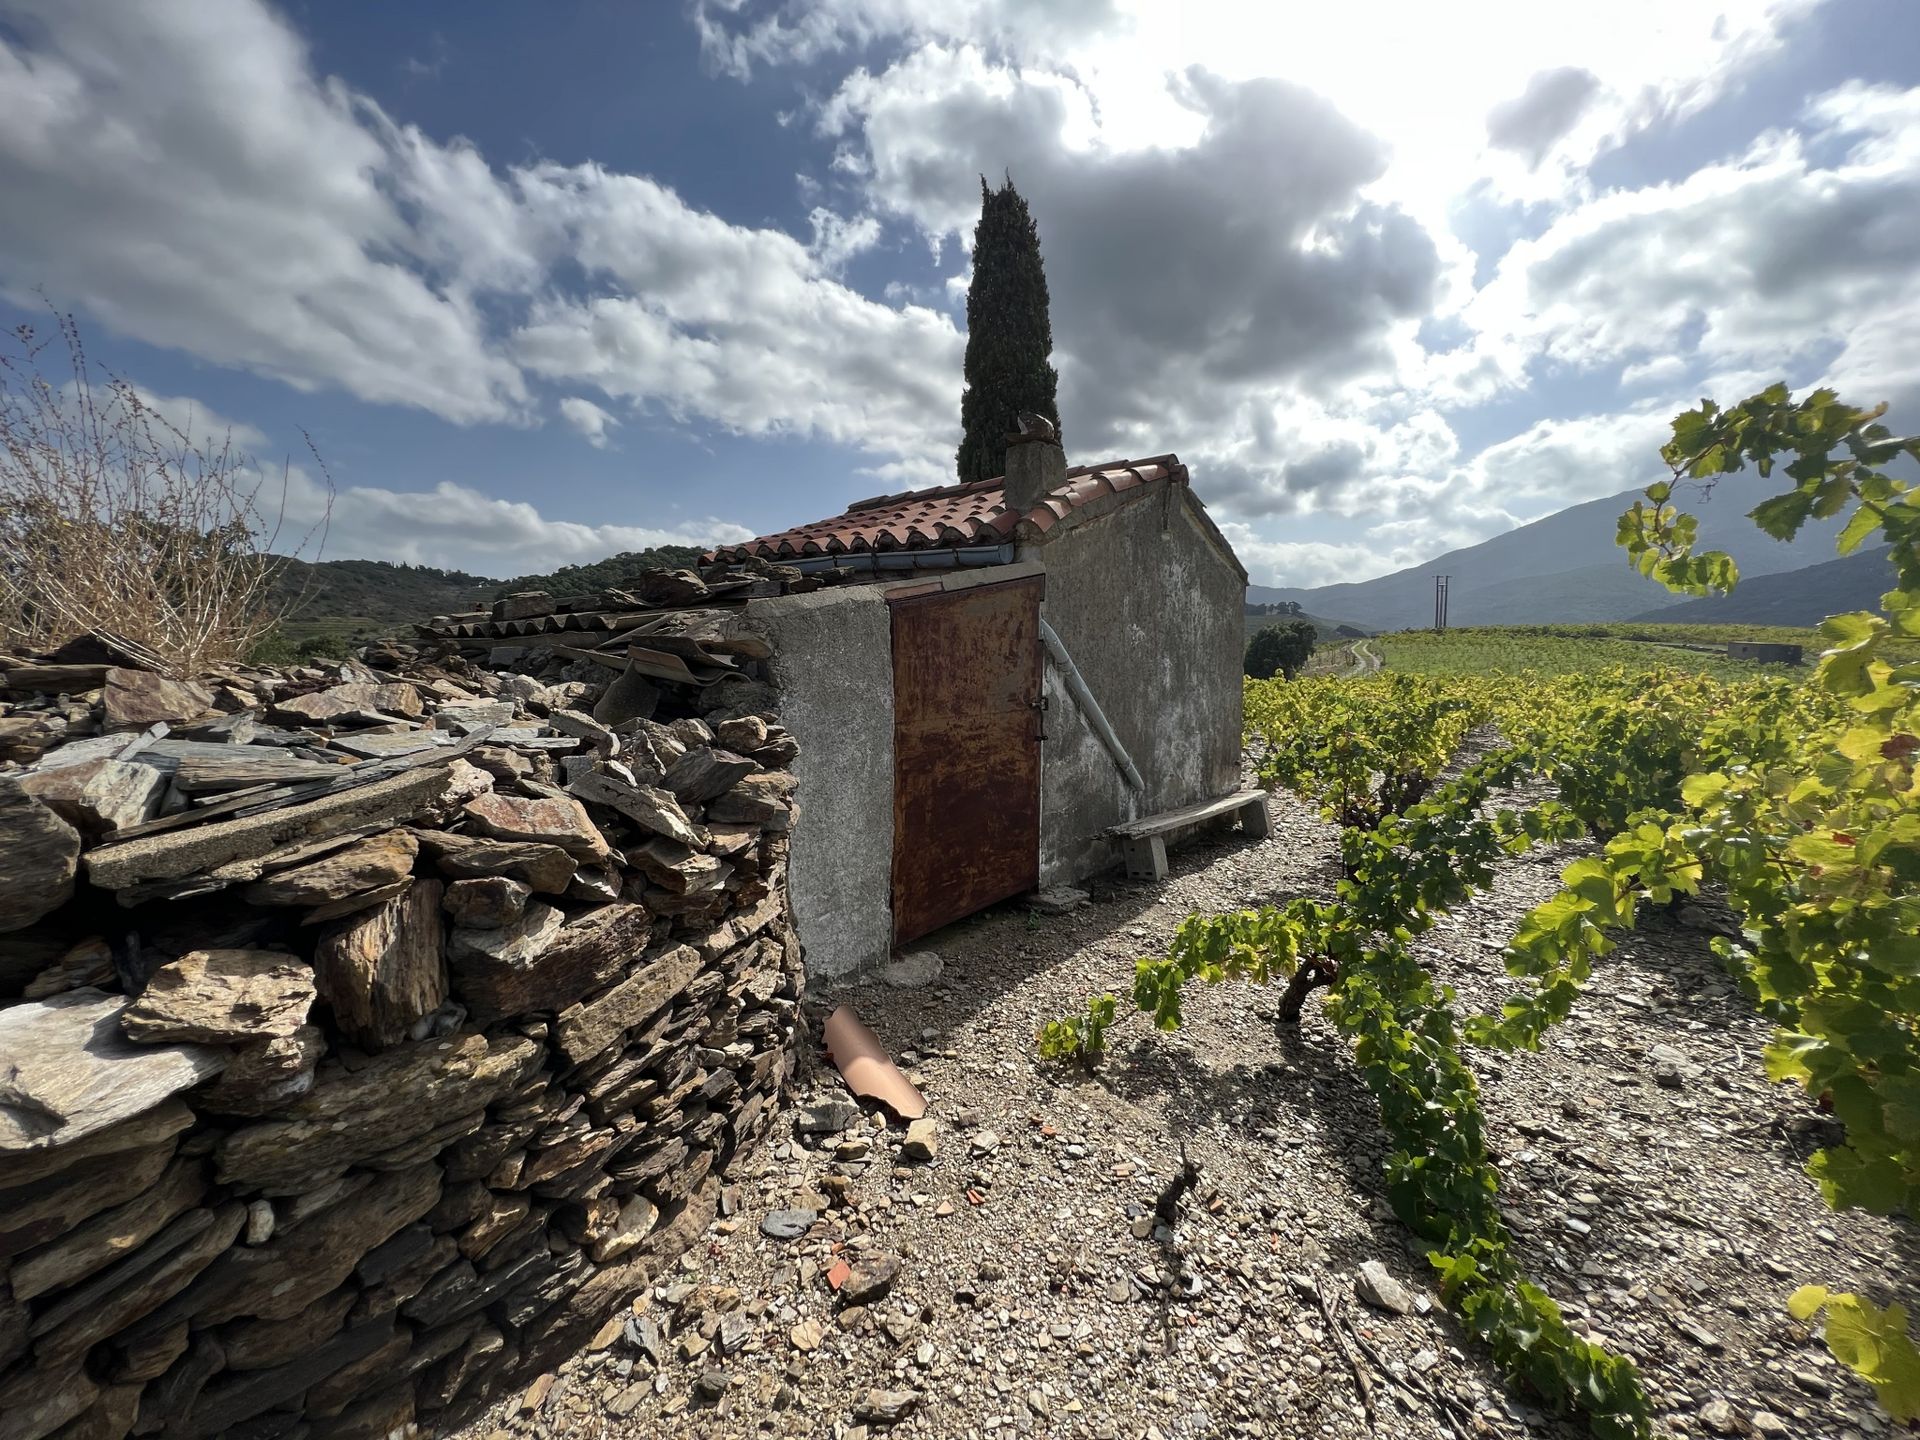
(1803, 807)
(1400, 876)
(1796, 802)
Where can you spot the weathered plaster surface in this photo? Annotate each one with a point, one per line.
(833, 663)
(1150, 609)
(1148, 605)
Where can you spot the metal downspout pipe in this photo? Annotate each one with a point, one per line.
(1090, 707)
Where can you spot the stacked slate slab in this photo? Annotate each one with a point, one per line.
(369, 1032)
(678, 626)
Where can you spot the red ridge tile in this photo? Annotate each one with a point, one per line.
(953, 515)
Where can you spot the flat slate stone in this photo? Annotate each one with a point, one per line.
(584, 727)
(460, 1289)
(281, 1278)
(71, 1072)
(650, 808)
(544, 868)
(135, 699)
(574, 961)
(38, 855)
(353, 904)
(165, 1404)
(71, 679)
(174, 854)
(231, 1399)
(262, 1344)
(139, 1284)
(386, 747)
(635, 1222)
(342, 701)
(486, 904)
(39, 1399)
(699, 775)
(110, 1417)
(222, 997)
(393, 1100)
(378, 860)
(41, 1211)
(97, 793)
(401, 1286)
(111, 1235)
(763, 799)
(585, 1030)
(516, 944)
(787, 1224)
(384, 969)
(130, 1137)
(561, 821)
(266, 1075)
(123, 793)
(146, 1352)
(675, 867)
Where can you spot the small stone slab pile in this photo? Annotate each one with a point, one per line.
(369, 1031)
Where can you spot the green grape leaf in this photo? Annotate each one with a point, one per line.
(1874, 1343)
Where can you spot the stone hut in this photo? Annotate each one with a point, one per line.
(1002, 675)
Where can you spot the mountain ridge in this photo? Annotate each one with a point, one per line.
(1793, 597)
(1500, 581)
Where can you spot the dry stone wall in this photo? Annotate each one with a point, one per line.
(368, 1032)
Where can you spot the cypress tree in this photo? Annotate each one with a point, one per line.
(1008, 334)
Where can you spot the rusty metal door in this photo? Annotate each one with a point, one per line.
(966, 751)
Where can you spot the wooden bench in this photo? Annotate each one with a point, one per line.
(1143, 843)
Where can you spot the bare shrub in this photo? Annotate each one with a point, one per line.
(117, 521)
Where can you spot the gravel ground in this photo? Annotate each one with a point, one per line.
(1652, 1178)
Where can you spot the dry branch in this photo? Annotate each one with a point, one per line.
(114, 519)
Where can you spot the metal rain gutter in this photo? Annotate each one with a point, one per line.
(964, 557)
(1090, 707)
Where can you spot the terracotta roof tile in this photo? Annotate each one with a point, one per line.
(953, 515)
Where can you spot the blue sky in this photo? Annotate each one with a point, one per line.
(547, 282)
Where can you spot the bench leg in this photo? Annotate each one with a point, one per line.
(1146, 857)
(1255, 820)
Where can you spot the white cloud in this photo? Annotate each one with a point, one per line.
(1309, 563)
(182, 172)
(1661, 370)
(589, 419)
(1771, 260)
(1249, 227)
(1542, 115)
(181, 168)
(457, 528)
(837, 239)
(741, 327)
(1425, 87)
(737, 36)
(1555, 463)
(1246, 280)
(1234, 299)
(198, 423)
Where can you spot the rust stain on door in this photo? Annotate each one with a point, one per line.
(966, 751)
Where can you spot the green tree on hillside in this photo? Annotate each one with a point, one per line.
(1008, 334)
(1280, 649)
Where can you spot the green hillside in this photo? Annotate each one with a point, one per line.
(608, 574)
(1331, 632)
(365, 598)
(361, 599)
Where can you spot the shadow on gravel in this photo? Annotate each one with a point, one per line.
(1005, 947)
(1679, 968)
(1309, 1103)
